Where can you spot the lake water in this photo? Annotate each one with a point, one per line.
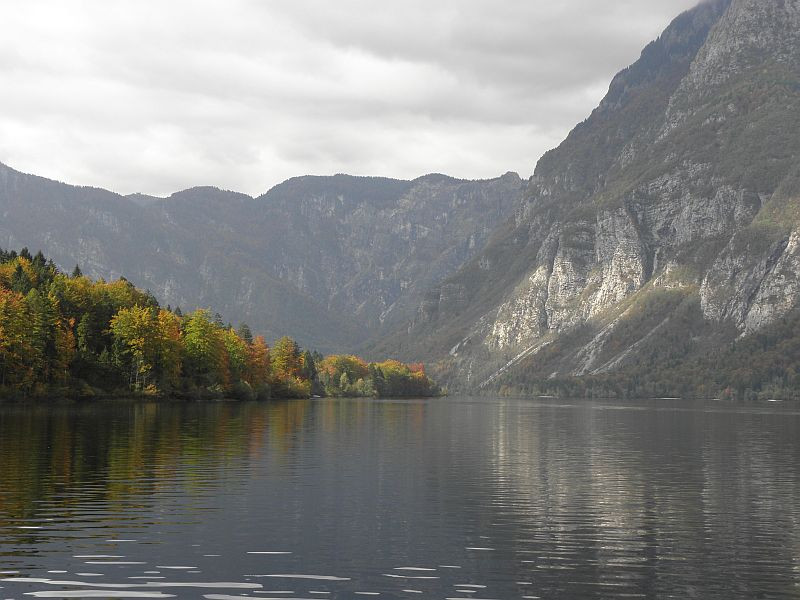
(453, 498)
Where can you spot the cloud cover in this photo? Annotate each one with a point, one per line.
(154, 97)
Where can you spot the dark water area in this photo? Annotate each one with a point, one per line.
(446, 498)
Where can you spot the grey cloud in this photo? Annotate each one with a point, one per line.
(155, 97)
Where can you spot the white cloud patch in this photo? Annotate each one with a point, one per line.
(138, 95)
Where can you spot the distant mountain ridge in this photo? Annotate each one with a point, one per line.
(334, 261)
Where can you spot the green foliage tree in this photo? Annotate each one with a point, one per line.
(137, 329)
(204, 347)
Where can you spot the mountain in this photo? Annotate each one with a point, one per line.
(651, 252)
(333, 261)
(662, 230)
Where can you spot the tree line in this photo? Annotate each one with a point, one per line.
(69, 335)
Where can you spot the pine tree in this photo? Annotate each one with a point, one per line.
(20, 282)
(39, 261)
(308, 370)
(245, 333)
(84, 334)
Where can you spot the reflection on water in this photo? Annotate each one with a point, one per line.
(456, 498)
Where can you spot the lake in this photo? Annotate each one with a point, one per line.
(447, 498)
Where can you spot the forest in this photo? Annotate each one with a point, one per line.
(69, 336)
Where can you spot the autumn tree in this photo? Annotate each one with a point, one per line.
(152, 338)
(137, 329)
(286, 359)
(259, 365)
(16, 349)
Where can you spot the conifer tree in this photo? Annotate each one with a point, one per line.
(20, 282)
(245, 333)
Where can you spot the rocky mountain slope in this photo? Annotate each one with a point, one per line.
(333, 261)
(673, 208)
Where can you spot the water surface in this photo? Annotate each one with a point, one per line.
(454, 498)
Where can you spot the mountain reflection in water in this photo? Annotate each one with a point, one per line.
(447, 498)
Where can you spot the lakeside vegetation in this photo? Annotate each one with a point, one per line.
(66, 335)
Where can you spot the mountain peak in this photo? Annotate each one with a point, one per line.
(4, 168)
(209, 193)
(750, 33)
(434, 178)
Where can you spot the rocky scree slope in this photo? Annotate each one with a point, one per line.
(675, 205)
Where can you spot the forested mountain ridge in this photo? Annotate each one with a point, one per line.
(673, 208)
(333, 260)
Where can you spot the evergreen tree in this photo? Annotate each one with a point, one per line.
(378, 380)
(84, 334)
(308, 370)
(39, 261)
(20, 282)
(245, 333)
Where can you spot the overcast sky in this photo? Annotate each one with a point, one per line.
(157, 96)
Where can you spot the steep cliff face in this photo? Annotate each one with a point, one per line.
(373, 257)
(682, 186)
(333, 261)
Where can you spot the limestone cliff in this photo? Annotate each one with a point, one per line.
(682, 185)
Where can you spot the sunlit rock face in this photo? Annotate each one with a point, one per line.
(684, 179)
(753, 289)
